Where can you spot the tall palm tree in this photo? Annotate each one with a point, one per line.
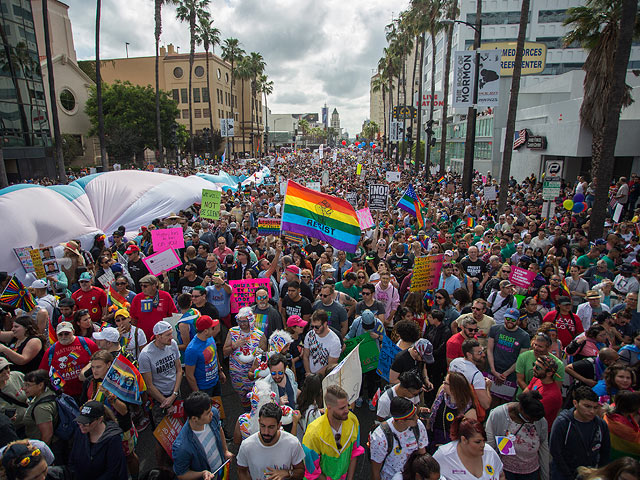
(379, 84)
(209, 36)
(432, 12)
(451, 13)
(513, 108)
(190, 11)
(243, 72)
(232, 53)
(256, 67)
(266, 87)
(103, 145)
(157, 32)
(606, 28)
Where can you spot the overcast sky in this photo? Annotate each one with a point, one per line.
(316, 51)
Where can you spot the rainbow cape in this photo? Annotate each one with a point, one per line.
(625, 436)
(321, 216)
(17, 295)
(412, 204)
(125, 381)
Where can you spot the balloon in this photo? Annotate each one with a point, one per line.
(578, 198)
(344, 142)
(373, 146)
(568, 204)
(585, 208)
(577, 207)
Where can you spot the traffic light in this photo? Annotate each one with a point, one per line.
(409, 132)
(432, 142)
(429, 129)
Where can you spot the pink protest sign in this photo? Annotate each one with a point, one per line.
(364, 218)
(162, 261)
(166, 238)
(521, 277)
(244, 292)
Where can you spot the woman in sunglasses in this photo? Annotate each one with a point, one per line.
(22, 460)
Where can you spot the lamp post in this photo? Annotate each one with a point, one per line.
(470, 140)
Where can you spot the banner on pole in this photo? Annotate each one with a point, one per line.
(463, 78)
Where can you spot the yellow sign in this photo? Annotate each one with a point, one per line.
(533, 60)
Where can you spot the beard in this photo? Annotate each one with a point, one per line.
(267, 438)
(339, 416)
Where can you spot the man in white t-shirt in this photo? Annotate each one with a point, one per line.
(271, 452)
(410, 387)
(395, 439)
(321, 345)
(473, 355)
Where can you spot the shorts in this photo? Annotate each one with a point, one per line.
(129, 441)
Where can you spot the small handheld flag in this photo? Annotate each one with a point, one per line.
(17, 295)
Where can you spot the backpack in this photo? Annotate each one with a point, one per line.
(68, 411)
(83, 342)
(481, 412)
(390, 436)
(505, 302)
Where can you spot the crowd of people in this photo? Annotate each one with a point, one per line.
(492, 380)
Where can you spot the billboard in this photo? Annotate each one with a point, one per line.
(463, 78)
(533, 60)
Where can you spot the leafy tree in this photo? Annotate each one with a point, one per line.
(129, 117)
(71, 146)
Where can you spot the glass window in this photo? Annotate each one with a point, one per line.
(184, 94)
(219, 74)
(552, 16)
(67, 100)
(206, 113)
(197, 113)
(196, 95)
(176, 95)
(185, 113)
(205, 94)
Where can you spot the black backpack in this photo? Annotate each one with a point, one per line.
(390, 436)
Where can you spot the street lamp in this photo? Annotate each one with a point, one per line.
(470, 141)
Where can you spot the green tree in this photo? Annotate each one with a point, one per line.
(606, 28)
(232, 53)
(370, 131)
(71, 146)
(129, 114)
(209, 36)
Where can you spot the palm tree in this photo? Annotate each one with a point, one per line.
(190, 11)
(243, 72)
(256, 67)
(232, 53)
(103, 145)
(432, 11)
(606, 28)
(451, 13)
(513, 108)
(379, 84)
(266, 87)
(157, 33)
(209, 36)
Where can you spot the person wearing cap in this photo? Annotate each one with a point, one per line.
(292, 274)
(132, 338)
(545, 381)
(91, 298)
(67, 307)
(202, 369)
(469, 365)
(502, 300)
(598, 273)
(505, 342)
(590, 309)
(135, 265)
(396, 438)
(159, 364)
(414, 358)
(625, 281)
(568, 324)
(43, 299)
(108, 339)
(152, 305)
(68, 356)
(97, 451)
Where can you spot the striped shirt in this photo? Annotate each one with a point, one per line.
(208, 441)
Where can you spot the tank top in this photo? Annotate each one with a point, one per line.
(32, 364)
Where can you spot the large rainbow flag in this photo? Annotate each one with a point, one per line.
(411, 203)
(321, 216)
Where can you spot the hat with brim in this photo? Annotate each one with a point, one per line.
(90, 411)
(72, 247)
(591, 294)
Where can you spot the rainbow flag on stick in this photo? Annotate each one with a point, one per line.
(321, 216)
(124, 380)
(412, 204)
(53, 337)
(441, 179)
(470, 222)
(114, 298)
(17, 295)
(565, 287)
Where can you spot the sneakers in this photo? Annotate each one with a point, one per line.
(359, 402)
(142, 423)
(372, 406)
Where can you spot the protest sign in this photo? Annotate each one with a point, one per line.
(314, 186)
(617, 212)
(210, 208)
(364, 218)
(244, 292)
(166, 238)
(167, 431)
(163, 261)
(426, 273)
(347, 374)
(505, 390)
(490, 193)
(269, 226)
(369, 351)
(378, 197)
(25, 258)
(388, 353)
(352, 198)
(335, 156)
(283, 188)
(325, 178)
(38, 266)
(358, 169)
(107, 278)
(392, 176)
(521, 277)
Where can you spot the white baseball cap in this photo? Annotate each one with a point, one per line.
(161, 327)
(109, 334)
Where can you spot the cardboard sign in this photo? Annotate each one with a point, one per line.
(490, 193)
(378, 197)
(269, 226)
(166, 238)
(369, 351)
(347, 374)
(388, 353)
(364, 218)
(38, 267)
(167, 431)
(163, 261)
(521, 277)
(314, 186)
(25, 258)
(244, 292)
(426, 273)
(352, 198)
(210, 207)
(392, 176)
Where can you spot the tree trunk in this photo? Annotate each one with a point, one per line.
(103, 146)
(604, 145)
(398, 104)
(445, 82)
(384, 120)
(192, 52)
(419, 106)
(266, 123)
(427, 154)
(390, 106)
(62, 176)
(233, 143)
(243, 123)
(209, 102)
(4, 181)
(513, 108)
(158, 31)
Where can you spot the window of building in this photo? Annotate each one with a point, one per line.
(495, 18)
(176, 95)
(178, 72)
(205, 94)
(178, 114)
(185, 113)
(199, 71)
(226, 77)
(219, 74)
(67, 100)
(552, 16)
(196, 95)
(197, 113)
(184, 94)
(206, 113)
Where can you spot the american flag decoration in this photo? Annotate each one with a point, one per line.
(519, 138)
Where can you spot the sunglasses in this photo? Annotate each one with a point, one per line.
(121, 283)
(261, 297)
(84, 281)
(277, 373)
(472, 330)
(145, 285)
(26, 461)
(506, 271)
(305, 276)
(366, 293)
(439, 296)
(316, 327)
(337, 439)
(83, 312)
(477, 308)
(360, 276)
(324, 296)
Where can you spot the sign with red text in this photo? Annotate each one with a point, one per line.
(244, 292)
(426, 273)
(166, 238)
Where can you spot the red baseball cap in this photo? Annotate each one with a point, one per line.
(296, 321)
(205, 321)
(131, 249)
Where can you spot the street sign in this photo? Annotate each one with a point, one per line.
(553, 169)
(403, 112)
(551, 189)
(226, 127)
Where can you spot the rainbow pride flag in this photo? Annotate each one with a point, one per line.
(56, 379)
(321, 216)
(114, 298)
(53, 337)
(17, 295)
(470, 222)
(441, 179)
(125, 381)
(412, 204)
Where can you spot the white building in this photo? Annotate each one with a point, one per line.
(500, 23)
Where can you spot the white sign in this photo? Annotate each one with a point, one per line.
(325, 178)
(490, 193)
(393, 176)
(463, 78)
(438, 100)
(314, 186)
(347, 374)
(396, 133)
(283, 188)
(489, 78)
(617, 212)
(553, 168)
(548, 209)
(321, 151)
(226, 127)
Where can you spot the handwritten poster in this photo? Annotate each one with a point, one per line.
(25, 258)
(364, 218)
(166, 238)
(167, 431)
(426, 273)
(388, 353)
(392, 176)
(269, 226)
(163, 261)
(521, 277)
(210, 207)
(244, 292)
(347, 374)
(490, 193)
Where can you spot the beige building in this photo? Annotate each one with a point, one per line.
(174, 78)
